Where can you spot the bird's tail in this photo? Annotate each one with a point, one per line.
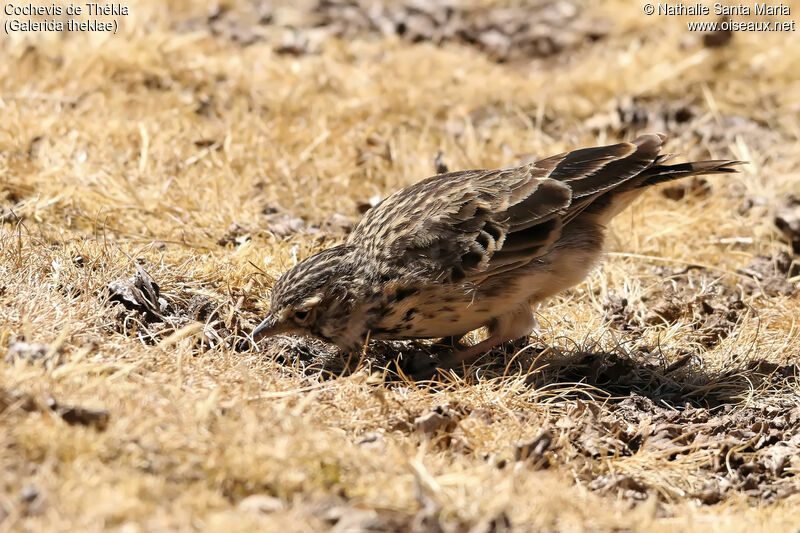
(659, 173)
(609, 205)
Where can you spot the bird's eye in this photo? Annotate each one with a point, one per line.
(301, 315)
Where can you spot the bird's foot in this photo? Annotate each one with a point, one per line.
(422, 366)
(516, 345)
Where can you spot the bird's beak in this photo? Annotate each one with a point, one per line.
(269, 327)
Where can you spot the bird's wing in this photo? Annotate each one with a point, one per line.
(466, 225)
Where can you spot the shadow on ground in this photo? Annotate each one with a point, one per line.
(597, 375)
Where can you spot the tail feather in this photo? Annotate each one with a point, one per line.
(608, 205)
(664, 173)
(606, 179)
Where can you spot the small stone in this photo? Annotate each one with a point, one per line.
(28, 494)
(261, 503)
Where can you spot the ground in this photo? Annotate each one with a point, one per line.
(155, 182)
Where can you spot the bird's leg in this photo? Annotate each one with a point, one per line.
(453, 341)
(470, 352)
(421, 369)
(511, 326)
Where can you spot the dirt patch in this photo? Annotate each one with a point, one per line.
(694, 294)
(702, 298)
(684, 119)
(517, 32)
(770, 275)
(753, 450)
(634, 114)
(244, 26)
(534, 29)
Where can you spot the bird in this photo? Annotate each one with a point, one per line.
(469, 249)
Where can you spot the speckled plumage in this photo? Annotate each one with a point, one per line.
(459, 251)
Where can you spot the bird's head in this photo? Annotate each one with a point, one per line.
(310, 297)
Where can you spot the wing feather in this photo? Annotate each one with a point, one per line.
(458, 223)
(467, 225)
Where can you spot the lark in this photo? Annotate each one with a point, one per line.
(463, 250)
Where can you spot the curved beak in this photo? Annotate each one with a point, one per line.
(269, 327)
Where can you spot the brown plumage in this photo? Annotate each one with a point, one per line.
(459, 251)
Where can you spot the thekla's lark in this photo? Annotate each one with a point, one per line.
(459, 251)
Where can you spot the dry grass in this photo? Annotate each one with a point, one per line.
(154, 144)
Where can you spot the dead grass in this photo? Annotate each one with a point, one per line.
(154, 145)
